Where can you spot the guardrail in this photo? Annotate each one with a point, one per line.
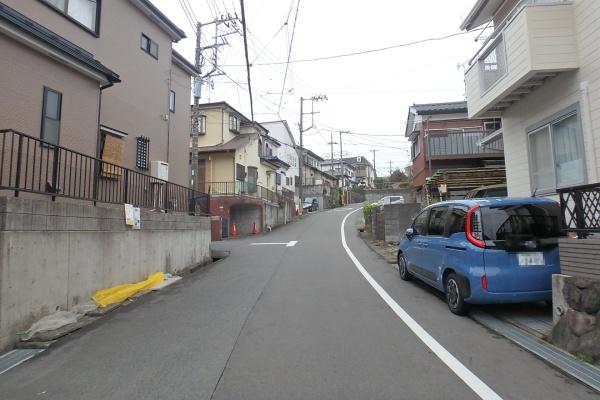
(29, 164)
(245, 188)
(580, 209)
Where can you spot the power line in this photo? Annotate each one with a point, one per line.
(287, 65)
(357, 53)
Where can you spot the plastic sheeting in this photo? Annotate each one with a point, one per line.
(119, 293)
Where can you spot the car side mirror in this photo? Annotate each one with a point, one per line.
(410, 232)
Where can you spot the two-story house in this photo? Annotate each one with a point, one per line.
(365, 173)
(99, 77)
(442, 137)
(287, 152)
(239, 167)
(317, 182)
(539, 70)
(346, 179)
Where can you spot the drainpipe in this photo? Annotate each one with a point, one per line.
(587, 111)
(170, 85)
(99, 139)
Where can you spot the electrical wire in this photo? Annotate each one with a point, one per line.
(289, 53)
(362, 52)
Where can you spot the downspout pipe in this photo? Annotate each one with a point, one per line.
(99, 140)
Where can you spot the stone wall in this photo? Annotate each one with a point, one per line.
(397, 218)
(57, 254)
(576, 303)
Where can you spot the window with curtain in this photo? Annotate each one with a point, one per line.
(85, 12)
(556, 154)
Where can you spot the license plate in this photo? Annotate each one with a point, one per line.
(531, 259)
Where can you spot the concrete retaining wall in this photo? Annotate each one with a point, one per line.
(398, 217)
(57, 254)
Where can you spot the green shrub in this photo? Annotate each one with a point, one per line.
(368, 210)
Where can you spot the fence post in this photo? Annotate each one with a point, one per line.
(165, 203)
(579, 211)
(18, 170)
(55, 166)
(126, 186)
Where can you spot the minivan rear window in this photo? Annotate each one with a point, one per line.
(519, 223)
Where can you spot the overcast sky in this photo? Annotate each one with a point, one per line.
(368, 94)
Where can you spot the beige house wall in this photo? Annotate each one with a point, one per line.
(138, 105)
(179, 126)
(581, 87)
(25, 72)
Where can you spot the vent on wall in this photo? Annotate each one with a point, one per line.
(142, 151)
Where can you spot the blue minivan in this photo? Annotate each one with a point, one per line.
(484, 251)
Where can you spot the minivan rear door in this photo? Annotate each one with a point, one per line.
(521, 251)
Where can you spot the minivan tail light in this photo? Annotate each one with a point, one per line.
(484, 282)
(474, 229)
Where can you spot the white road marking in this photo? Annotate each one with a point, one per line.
(287, 244)
(468, 377)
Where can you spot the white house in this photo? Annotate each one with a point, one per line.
(539, 70)
(286, 151)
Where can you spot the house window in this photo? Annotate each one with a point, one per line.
(172, 101)
(234, 123)
(142, 151)
(240, 172)
(83, 12)
(149, 46)
(492, 66)
(51, 112)
(415, 148)
(202, 124)
(277, 179)
(492, 126)
(556, 154)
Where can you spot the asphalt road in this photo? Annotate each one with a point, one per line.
(299, 322)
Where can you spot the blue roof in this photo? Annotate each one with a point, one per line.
(497, 201)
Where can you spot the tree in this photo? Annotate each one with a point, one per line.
(398, 176)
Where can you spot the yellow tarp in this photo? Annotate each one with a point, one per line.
(119, 293)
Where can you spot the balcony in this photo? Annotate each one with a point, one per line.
(446, 145)
(534, 43)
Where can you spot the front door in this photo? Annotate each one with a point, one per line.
(252, 179)
(415, 251)
(435, 248)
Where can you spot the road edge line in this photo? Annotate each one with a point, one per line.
(468, 377)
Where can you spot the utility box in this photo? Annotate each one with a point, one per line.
(160, 170)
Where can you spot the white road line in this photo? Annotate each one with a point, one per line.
(476, 384)
(291, 243)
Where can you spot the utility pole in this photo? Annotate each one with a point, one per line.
(230, 21)
(302, 130)
(342, 172)
(390, 167)
(331, 142)
(374, 164)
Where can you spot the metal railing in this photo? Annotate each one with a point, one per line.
(28, 164)
(448, 143)
(245, 188)
(580, 209)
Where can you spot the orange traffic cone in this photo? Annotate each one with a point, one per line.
(234, 231)
(254, 229)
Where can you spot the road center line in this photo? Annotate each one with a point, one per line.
(468, 377)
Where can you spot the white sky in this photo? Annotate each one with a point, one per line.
(368, 94)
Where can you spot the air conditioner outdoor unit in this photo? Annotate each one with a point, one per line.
(160, 170)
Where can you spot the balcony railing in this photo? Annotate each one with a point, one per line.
(28, 164)
(247, 189)
(580, 209)
(533, 43)
(448, 144)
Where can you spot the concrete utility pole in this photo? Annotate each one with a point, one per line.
(390, 167)
(374, 165)
(302, 130)
(331, 142)
(231, 22)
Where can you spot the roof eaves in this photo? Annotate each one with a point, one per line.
(161, 19)
(182, 62)
(39, 33)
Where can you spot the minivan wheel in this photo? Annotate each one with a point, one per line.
(455, 296)
(404, 274)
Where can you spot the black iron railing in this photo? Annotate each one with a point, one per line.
(245, 188)
(28, 164)
(580, 209)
